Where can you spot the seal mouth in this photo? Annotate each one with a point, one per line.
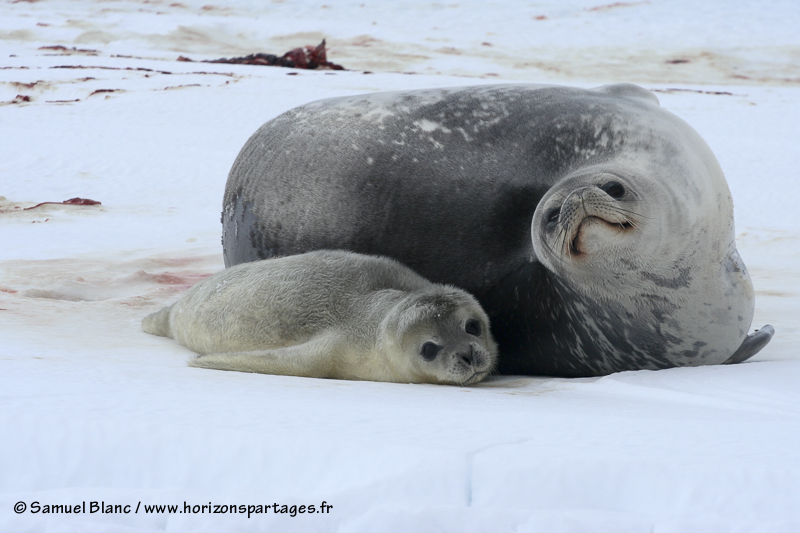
(474, 378)
(578, 243)
(590, 219)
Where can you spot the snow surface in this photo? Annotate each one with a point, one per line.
(93, 409)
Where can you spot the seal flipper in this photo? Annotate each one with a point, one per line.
(751, 345)
(157, 323)
(312, 359)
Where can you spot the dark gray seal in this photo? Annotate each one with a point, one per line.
(595, 228)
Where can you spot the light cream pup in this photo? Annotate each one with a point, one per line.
(332, 314)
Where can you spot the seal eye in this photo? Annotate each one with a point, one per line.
(614, 189)
(553, 214)
(473, 327)
(430, 350)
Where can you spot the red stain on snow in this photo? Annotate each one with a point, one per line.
(168, 278)
(615, 5)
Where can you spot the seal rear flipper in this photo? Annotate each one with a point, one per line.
(157, 323)
(312, 359)
(752, 344)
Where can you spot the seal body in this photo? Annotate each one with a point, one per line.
(595, 228)
(332, 314)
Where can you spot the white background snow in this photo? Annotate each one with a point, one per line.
(93, 409)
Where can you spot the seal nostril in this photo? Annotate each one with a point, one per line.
(467, 358)
(614, 189)
(553, 215)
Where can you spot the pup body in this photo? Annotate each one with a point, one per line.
(332, 314)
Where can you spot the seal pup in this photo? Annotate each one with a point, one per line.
(594, 227)
(332, 314)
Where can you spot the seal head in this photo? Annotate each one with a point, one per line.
(444, 334)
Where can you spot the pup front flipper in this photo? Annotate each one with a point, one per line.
(312, 359)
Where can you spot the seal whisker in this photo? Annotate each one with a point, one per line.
(629, 222)
(564, 235)
(628, 211)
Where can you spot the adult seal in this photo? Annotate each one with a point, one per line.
(595, 228)
(332, 314)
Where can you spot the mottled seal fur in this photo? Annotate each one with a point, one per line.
(594, 227)
(332, 314)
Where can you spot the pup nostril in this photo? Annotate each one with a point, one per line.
(468, 358)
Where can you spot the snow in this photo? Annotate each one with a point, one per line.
(93, 409)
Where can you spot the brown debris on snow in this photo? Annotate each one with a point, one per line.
(68, 51)
(667, 91)
(100, 67)
(71, 201)
(98, 91)
(308, 57)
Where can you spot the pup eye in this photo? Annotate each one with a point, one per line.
(430, 350)
(552, 215)
(473, 327)
(614, 189)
